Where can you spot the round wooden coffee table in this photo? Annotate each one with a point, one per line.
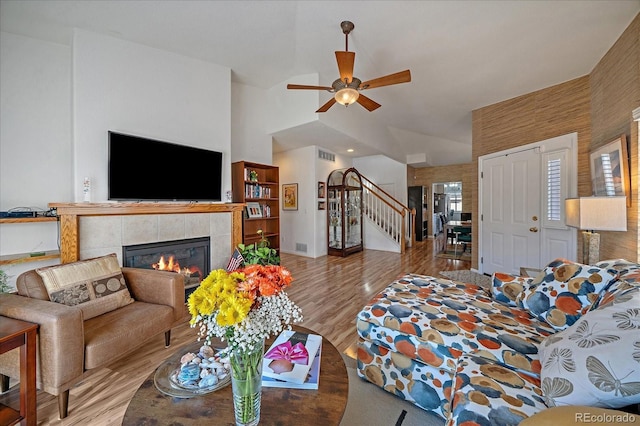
(281, 406)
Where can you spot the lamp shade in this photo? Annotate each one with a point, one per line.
(597, 213)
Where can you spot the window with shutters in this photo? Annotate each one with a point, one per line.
(555, 188)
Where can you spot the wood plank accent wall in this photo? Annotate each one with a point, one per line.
(615, 93)
(425, 176)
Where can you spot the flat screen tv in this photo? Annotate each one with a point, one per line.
(142, 169)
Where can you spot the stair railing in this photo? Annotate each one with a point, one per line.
(393, 217)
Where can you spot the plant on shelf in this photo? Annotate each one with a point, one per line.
(4, 282)
(259, 253)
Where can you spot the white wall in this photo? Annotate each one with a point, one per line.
(249, 139)
(307, 225)
(391, 176)
(123, 86)
(35, 140)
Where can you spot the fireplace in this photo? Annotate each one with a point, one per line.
(189, 257)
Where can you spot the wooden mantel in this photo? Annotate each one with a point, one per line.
(70, 213)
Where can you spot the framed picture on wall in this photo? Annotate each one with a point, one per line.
(290, 196)
(610, 169)
(322, 187)
(322, 205)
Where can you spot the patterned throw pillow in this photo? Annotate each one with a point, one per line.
(628, 271)
(564, 291)
(596, 361)
(96, 286)
(507, 288)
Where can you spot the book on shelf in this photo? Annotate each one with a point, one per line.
(290, 356)
(311, 382)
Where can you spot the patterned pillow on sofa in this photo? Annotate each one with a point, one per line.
(628, 271)
(96, 286)
(564, 291)
(507, 288)
(596, 361)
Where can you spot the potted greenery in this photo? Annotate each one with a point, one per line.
(4, 282)
(259, 253)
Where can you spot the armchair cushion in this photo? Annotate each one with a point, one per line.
(96, 286)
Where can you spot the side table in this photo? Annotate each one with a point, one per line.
(21, 334)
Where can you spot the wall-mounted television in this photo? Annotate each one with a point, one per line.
(142, 169)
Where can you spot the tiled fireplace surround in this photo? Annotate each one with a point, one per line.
(100, 235)
(93, 229)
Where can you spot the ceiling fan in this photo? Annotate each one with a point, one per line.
(347, 88)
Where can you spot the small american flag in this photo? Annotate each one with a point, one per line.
(235, 261)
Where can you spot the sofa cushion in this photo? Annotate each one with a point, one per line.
(564, 291)
(596, 361)
(507, 288)
(109, 336)
(435, 321)
(627, 270)
(485, 393)
(423, 385)
(96, 285)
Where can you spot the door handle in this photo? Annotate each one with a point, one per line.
(534, 229)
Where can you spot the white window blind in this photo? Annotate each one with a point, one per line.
(556, 184)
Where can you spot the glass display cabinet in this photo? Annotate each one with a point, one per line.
(344, 212)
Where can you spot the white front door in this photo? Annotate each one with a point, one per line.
(521, 195)
(511, 212)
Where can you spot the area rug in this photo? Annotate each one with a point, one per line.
(467, 276)
(370, 405)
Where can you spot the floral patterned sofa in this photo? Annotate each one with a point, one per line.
(492, 356)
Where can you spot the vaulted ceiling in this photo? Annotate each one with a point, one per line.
(463, 55)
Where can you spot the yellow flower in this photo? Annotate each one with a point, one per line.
(233, 309)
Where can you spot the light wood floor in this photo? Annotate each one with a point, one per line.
(330, 290)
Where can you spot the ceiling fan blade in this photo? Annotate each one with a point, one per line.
(345, 65)
(369, 104)
(387, 80)
(304, 87)
(328, 105)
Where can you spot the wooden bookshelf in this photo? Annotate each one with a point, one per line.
(12, 259)
(262, 188)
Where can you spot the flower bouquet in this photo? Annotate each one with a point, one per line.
(244, 307)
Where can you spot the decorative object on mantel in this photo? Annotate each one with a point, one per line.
(610, 169)
(244, 307)
(595, 214)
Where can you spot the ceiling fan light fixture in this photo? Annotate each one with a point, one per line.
(347, 96)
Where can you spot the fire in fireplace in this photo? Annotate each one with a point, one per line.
(189, 257)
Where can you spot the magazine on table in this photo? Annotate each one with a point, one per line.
(290, 356)
(313, 377)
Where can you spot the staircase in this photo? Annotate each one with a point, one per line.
(394, 219)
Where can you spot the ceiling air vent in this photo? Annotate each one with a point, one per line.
(323, 155)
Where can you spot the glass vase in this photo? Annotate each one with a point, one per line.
(246, 384)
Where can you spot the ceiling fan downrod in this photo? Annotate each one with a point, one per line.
(347, 27)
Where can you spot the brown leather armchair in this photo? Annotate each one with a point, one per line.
(69, 348)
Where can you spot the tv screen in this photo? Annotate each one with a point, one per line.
(142, 169)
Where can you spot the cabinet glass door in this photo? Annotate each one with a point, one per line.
(335, 219)
(344, 212)
(352, 216)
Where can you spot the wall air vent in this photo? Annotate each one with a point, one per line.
(301, 247)
(323, 155)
